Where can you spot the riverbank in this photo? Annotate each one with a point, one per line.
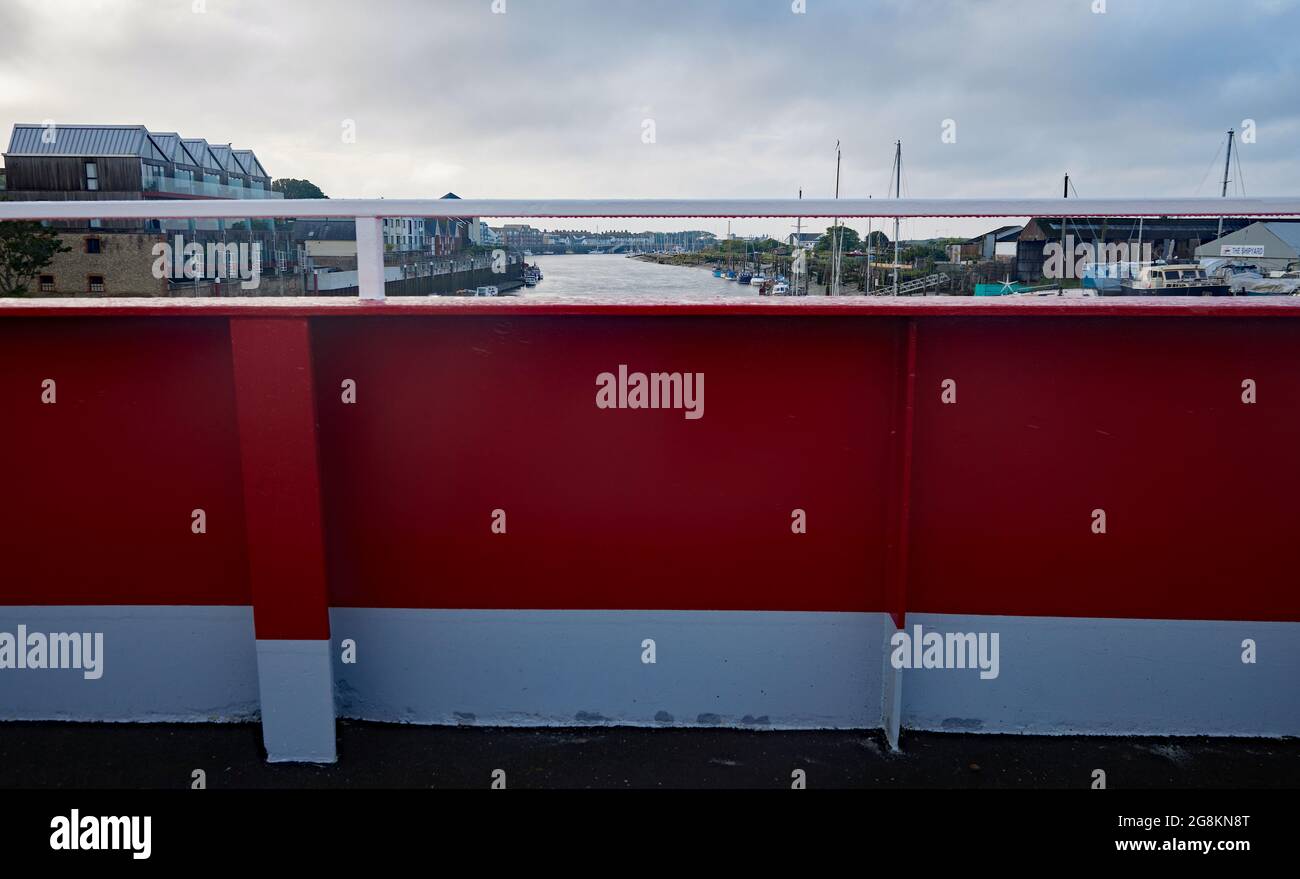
(818, 267)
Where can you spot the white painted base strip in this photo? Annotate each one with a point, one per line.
(891, 687)
(160, 664)
(297, 689)
(1061, 676)
(580, 668)
(583, 668)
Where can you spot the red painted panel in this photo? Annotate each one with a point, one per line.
(456, 417)
(276, 408)
(1143, 419)
(97, 490)
(461, 413)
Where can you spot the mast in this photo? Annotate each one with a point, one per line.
(867, 287)
(1065, 257)
(898, 191)
(837, 239)
(798, 243)
(1227, 164)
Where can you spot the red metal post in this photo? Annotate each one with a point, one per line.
(276, 413)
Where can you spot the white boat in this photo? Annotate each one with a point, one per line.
(781, 289)
(1179, 279)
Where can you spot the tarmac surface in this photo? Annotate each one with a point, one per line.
(158, 756)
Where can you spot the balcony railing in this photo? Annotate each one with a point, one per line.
(201, 189)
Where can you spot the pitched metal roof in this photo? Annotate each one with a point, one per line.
(1125, 228)
(225, 157)
(79, 140)
(1288, 232)
(167, 144)
(251, 165)
(105, 141)
(202, 153)
(1002, 233)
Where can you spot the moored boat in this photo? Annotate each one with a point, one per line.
(1179, 279)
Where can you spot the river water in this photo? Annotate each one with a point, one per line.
(616, 276)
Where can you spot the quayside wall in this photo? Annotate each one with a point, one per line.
(418, 511)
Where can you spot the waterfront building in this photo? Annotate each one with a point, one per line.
(1168, 238)
(521, 236)
(403, 235)
(998, 243)
(111, 256)
(1272, 246)
(123, 162)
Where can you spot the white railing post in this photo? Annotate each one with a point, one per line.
(370, 258)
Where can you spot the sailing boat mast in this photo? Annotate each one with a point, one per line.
(798, 245)
(1065, 257)
(867, 287)
(898, 190)
(1227, 164)
(837, 239)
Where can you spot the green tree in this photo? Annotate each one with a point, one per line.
(25, 249)
(294, 188)
(849, 239)
(879, 240)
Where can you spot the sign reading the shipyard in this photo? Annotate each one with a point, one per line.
(1256, 250)
(656, 390)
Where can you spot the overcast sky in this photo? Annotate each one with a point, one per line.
(747, 97)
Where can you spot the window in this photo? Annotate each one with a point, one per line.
(95, 283)
(93, 245)
(92, 176)
(47, 283)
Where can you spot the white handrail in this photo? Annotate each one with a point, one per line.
(571, 208)
(368, 211)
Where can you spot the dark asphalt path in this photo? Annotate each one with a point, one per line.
(76, 755)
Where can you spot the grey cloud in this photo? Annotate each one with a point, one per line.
(748, 98)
